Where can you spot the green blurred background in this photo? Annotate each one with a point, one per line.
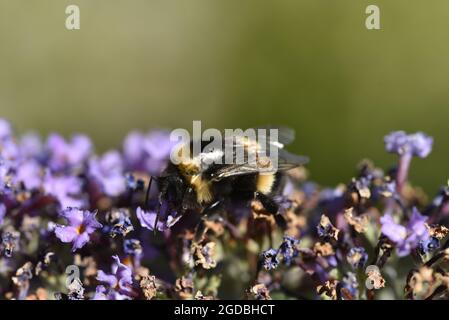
(309, 64)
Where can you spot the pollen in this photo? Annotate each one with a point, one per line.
(202, 188)
(81, 229)
(265, 183)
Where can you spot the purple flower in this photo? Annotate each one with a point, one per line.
(132, 247)
(132, 148)
(357, 257)
(9, 150)
(157, 144)
(270, 259)
(65, 155)
(406, 238)
(289, 249)
(2, 213)
(350, 283)
(31, 146)
(148, 152)
(5, 129)
(5, 180)
(134, 183)
(108, 172)
(326, 230)
(167, 217)
(428, 245)
(417, 144)
(10, 242)
(66, 189)
(80, 225)
(148, 219)
(100, 293)
(119, 281)
(407, 146)
(119, 223)
(29, 173)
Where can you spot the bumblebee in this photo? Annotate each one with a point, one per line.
(208, 182)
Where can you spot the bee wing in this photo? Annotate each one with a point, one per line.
(264, 142)
(234, 170)
(286, 135)
(286, 161)
(264, 139)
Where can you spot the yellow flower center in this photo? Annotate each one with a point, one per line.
(81, 229)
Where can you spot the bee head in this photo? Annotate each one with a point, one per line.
(178, 193)
(171, 189)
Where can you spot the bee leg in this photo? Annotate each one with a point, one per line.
(147, 194)
(162, 193)
(158, 213)
(272, 207)
(210, 213)
(267, 202)
(212, 210)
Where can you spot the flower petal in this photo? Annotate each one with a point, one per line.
(110, 279)
(66, 233)
(80, 241)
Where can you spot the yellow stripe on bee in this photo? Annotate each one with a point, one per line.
(265, 182)
(202, 188)
(190, 170)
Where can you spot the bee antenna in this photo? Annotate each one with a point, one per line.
(158, 213)
(147, 195)
(157, 218)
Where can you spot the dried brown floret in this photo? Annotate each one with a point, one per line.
(326, 229)
(421, 280)
(148, 286)
(22, 279)
(199, 296)
(388, 187)
(184, 288)
(376, 280)
(360, 223)
(323, 249)
(203, 255)
(44, 262)
(23, 274)
(438, 231)
(357, 257)
(329, 288)
(362, 188)
(259, 292)
(10, 241)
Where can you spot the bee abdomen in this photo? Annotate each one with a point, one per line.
(265, 182)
